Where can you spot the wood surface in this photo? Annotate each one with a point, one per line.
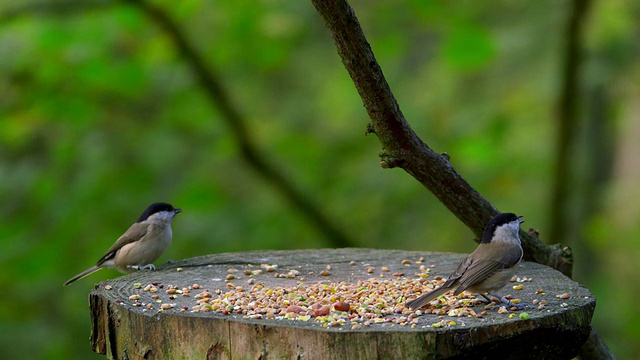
(139, 329)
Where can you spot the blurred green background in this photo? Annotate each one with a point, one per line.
(100, 115)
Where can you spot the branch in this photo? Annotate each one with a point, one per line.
(401, 147)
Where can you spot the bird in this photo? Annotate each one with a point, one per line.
(140, 245)
(488, 267)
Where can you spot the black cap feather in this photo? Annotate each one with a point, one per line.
(496, 221)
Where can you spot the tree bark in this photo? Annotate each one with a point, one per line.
(131, 322)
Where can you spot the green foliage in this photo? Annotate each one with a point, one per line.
(100, 116)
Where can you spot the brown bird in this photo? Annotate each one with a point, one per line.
(140, 245)
(488, 267)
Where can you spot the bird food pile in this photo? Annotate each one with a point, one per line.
(333, 304)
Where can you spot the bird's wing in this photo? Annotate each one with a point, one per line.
(483, 269)
(134, 233)
(458, 272)
(479, 271)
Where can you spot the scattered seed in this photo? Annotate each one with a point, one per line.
(134, 297)
(324, 273)
(524, 316)
(406, 262)
(322, 311)
(518, 287)
(563, 296)
(384, 269)
(294, 309)
(342, 306)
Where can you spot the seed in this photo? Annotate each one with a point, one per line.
(406, 262)
(384, 269)
(178, 269)
(370, 269)
(232, 271)
(342, 306)
(134, 297)
(324, 273)
(322, 311)
(352, 263)
(518, 287)
(137, 285)
(246, 272)
(195, 286)
(230, 277)
(294, 309)
(165, 306)
(524, 316)
(563, 296)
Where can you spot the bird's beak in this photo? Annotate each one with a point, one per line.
(177, 210)
(521, 219)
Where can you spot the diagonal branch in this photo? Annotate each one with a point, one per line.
(401, 147)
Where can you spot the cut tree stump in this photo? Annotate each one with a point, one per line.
(135, 317)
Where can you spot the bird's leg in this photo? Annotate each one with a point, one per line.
(138, 267)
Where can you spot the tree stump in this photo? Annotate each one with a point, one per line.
(150, 314)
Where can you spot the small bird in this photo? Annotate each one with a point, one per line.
(488, 267)
(140, 245)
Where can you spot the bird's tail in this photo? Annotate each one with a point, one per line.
(83, 274)
(425, 298)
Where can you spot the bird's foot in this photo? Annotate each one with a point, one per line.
(508, 302)
(144, 267)
(493, 298)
